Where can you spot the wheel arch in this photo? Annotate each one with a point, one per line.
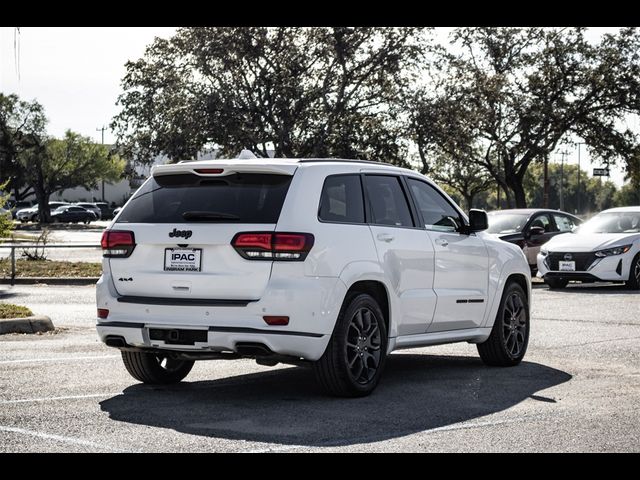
(377, 290)
(521, 280)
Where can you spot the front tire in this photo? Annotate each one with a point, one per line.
(509, 337)
(155, 370)
(634, 274)
(355, 357)
(556, 283)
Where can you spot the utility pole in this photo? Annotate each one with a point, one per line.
(564, 153)
(578, 194)
(102, 129)
(545, 194)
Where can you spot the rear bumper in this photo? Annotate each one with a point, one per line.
(311, 303)
(294, 344)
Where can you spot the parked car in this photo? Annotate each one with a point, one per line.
(530, 228)
(31, 214)
(15, 206)
(106, 213)
(605, 248)
(330, 263)
(92, 207)
(73, 214)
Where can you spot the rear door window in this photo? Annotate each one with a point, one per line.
(341, 200)
(186, 198)
(388, 202)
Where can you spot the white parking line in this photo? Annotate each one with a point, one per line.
(59, 438)
(58, 359)
(51, 399)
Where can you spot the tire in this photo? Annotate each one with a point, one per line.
(634, 274)
(155, 370)
(509, 337)
(348, 368)
(556, 283)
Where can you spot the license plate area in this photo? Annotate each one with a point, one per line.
(182, 259)
(176, 336)
(567, 266)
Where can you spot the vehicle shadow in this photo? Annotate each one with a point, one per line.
(417, 393)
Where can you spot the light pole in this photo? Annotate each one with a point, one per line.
(102, 129)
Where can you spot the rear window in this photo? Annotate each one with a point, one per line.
(187, 198)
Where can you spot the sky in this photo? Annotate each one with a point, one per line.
(75, 73)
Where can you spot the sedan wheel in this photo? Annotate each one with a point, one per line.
(634, 274)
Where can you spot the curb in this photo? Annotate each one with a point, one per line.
(33, 324)
(51, 280)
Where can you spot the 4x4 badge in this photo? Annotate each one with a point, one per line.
(180, 233)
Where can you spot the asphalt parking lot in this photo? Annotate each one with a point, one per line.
(577, 390)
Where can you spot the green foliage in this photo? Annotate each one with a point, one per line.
(22, 132)
(508, 97)
(6, 224)
(66, 163)
(303, 91)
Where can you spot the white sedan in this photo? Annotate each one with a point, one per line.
(606, 248)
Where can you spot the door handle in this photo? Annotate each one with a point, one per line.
(442, 242)
(385, 237)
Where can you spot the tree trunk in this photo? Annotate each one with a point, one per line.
(517, 188)
(468, 198)
(43, 205)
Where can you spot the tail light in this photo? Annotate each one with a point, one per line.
(273, 246)
(117, 243)
(103, 312)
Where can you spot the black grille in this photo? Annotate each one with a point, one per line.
(178, 337)
(583, 260)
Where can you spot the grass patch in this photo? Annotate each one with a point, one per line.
(9, 310)
(50, 268)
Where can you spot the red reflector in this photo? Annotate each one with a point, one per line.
(255, 240)
(274, 320)
(209, 170)
(103, 312)
(291, 242)
(115, 238)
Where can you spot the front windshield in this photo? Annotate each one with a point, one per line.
(506, 222)
(612, 222)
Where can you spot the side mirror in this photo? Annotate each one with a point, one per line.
(536, 231)
(478, 220)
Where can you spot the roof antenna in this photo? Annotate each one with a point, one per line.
(246, 154)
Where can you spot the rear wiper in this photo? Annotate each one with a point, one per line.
(198, 215)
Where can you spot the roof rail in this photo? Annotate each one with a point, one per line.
(344, 160)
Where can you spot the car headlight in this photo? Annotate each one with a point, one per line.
(544, 252)
(613, 251)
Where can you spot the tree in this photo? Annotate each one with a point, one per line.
(627, 196)
(66, 163)
(22, 129)
(519, 92)
(302, 91)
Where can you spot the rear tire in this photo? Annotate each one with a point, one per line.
(556, 283)
(634, 274)
(355, 357)
(155, 370)
(509, 337)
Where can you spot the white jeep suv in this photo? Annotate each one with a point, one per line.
(332, 263)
